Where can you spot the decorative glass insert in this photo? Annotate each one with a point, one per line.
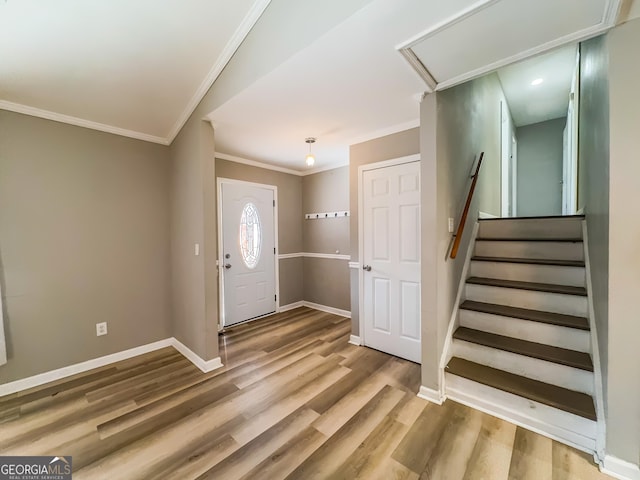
(250, 235)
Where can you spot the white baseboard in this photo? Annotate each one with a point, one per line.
(620, 468)
(433, 396)
(205, 365)
(325, 308)
(355, 340)
(60, 373)
(315, 306)
(290, 306)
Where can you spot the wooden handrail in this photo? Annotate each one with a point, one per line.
(463, 219)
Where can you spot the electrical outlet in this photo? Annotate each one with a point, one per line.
(101, 329)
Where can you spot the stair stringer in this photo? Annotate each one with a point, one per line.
(598, 396)
(454, 322)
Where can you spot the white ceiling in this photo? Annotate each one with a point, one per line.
(139, 68)
(548, 100)
(351, 84)
(495, 32)
(136, 68)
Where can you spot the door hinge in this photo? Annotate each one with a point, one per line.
(274, 203)
(275, 297)
(274, 250)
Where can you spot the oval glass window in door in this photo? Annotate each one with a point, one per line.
(250, 235)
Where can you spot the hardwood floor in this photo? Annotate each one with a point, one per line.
(293, 400)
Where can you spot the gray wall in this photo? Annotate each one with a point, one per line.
(455, 126)
(593, 155)
(194, 280)
(623, 385)
(84, 238)
(289, 221)
(540, 168)
(389, 147)
(326, 281)
(194, 287)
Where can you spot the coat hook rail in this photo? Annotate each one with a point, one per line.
(318, 216)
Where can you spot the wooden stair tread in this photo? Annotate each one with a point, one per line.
(580, 323)
(532, 261)
(539, 287)
(564, 399)
(528, 239)
(562, 356)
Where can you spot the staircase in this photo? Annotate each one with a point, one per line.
(521, 348)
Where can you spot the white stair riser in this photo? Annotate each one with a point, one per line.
(554, 335)
(526, 272)
(533, 300)
(555, 423)
(547, 228)
(524, 249)
(541, 370)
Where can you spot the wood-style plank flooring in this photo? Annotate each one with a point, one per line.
(293, 400)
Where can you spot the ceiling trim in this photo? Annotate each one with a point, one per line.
(609, 18)
(326, 168)
(230, 48)
(405, 48)
(419, 68)
(401, 127)
(578, 36)
(255, 163)
(268, 166)
(446, 23)
(80, 122)
(612, 12)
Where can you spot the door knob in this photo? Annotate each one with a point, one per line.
(366, 268)
(227, 266)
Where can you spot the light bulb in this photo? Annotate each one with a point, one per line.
(310, 159)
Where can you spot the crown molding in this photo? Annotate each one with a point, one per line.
(612, 12)
(80, 122)
(326, 168)
(229, 50)
(277, 168)
(419, 68)
(446, 23)
(383, 132)
(609, 19)
(578, 36)
(255, 163)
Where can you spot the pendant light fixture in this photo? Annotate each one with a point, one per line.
(310, 159)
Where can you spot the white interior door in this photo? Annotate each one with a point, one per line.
(248, 252)
(391, 259)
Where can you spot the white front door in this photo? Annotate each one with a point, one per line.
(248, 252)
(391, 259)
